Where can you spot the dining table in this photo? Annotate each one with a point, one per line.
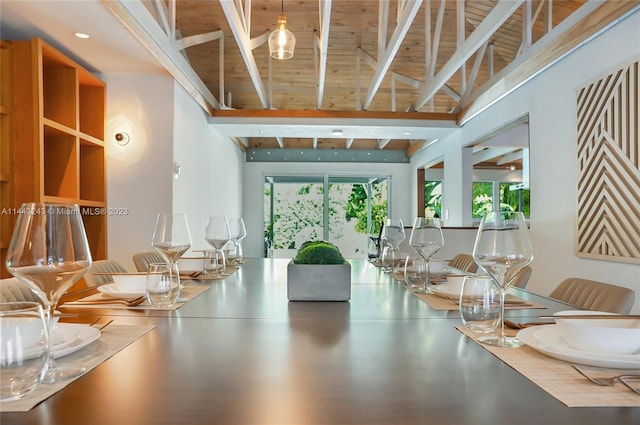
(242, 353)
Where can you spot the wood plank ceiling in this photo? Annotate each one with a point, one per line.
(443, 41)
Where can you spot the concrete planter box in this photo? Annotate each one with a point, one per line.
(318, 282)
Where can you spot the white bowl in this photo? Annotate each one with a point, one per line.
(130, 283)
(609, 336)
(190, 264)
(27, 330)
(437, 266)
(455, 283)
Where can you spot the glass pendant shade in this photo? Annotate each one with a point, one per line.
(282, 41)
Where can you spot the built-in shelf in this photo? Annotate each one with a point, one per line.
(56, 132)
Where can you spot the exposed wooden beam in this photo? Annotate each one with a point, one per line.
(137, 19)
(488, 154)
(518, 155)
(323, 44)
(241, 34)
(416, 147)
(378, 115)
(383, 142)
(404, 23)
(589, 20)
(349, 143)
(194, 40)
(498, 15)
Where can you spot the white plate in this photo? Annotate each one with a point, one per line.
(68, 338)
(547, 340)
(88, 334)
(445, 290)
(111, 290)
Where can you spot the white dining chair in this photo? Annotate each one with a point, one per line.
(12, 290)
(93, 278)
(143, 259)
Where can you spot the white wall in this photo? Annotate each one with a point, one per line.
(210, 181)
(139, 175)
(550, 101)
(254, 173)
(166, 125)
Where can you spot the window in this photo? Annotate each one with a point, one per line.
(333, 208)
(509, 196)
(433, 198)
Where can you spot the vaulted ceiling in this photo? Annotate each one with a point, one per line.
(369, 76)
(351, 56)
(432, 64)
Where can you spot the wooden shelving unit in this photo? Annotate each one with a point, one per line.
(6, 186)
(56, 135)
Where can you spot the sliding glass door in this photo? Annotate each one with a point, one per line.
(333, 208)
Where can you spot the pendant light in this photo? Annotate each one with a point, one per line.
(282, 41)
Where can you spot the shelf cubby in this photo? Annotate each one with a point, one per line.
(52, 124)
(91, 106)
(92, 171)
(60, 164)
(59, 81)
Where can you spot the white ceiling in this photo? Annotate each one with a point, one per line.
(111, 48)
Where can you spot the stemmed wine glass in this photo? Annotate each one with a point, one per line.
(237, 232)
(375, 240)
(394, 231)
(502, 249)
(171, 238)
(218, 234)
(49, 252)
(427, 239)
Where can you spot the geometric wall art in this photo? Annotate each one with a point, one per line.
(609, 167)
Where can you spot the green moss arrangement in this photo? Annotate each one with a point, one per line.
(319, 252)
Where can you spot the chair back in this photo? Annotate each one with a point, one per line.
(593, 295)
(464, 262)
(12, 290)
(143, 259)
(102, 266)
(523, 277)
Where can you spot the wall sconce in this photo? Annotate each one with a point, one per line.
(122, 138)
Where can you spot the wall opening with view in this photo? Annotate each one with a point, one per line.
(339, 209)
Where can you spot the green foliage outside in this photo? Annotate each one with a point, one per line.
(318, 252)
(433, 199)
(483, 200)
(357, 208)
(298, 211)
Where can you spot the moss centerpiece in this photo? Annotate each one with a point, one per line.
(318, 272)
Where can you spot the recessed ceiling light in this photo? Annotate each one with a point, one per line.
(407, 133)
(81, 35)
(336, 133)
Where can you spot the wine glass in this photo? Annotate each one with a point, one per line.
(218, 234)
(49, 252)
(375, 238)
(427, 239)
(237, 232)
(171, 237)
(394, 231)
(502, 249)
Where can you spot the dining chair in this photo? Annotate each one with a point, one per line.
(12, 290)
(143, 259)
(523, 277)
(593, 295)
(102, 266)
(464, 262)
